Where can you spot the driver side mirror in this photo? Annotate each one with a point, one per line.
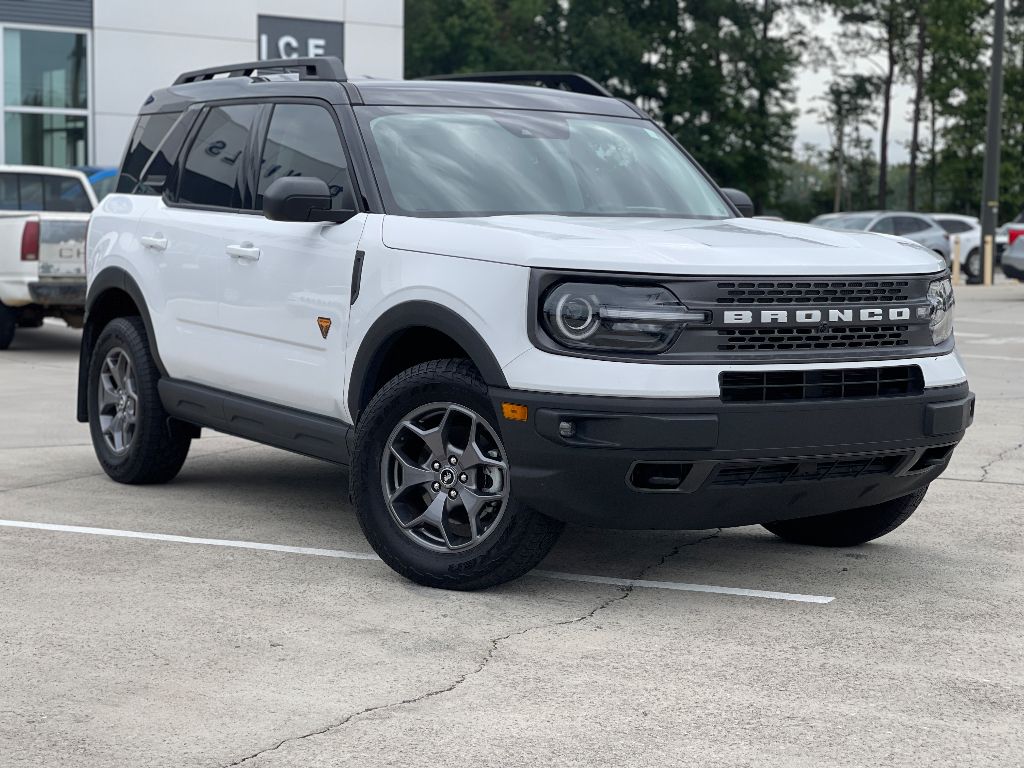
(301, 198)
(741, 200)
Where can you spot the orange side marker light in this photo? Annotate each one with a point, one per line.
(514, 412)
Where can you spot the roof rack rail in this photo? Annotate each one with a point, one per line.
(317, 68)
(566, 81)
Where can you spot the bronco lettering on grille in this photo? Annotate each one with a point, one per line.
(790, 316)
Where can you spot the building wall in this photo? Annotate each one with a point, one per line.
(141, 46)
(138, 46)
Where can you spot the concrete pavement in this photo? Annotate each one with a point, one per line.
(121, 651)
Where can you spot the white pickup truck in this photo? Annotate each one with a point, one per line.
(44, 214)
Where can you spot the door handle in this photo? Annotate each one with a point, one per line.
(157, 242)
(246, 251)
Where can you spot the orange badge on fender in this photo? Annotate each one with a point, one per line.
(325, 325)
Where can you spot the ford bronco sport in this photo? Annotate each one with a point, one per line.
(503, 307)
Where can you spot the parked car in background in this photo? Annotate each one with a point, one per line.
(102, 178)
(1007, 234)
(1013, 260)
(913, 226)
(968, 229)
(44, 214)
(821, 221)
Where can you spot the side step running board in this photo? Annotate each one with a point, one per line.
(275, 425)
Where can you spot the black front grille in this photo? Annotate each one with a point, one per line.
(811, 338)
(842, 383)
(816, 292)
(780, 473)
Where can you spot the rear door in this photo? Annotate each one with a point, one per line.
(186, 234)
(286, 292)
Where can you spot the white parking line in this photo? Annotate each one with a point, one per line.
(635, 583)
(189, 540)
(680, 586)
(992, 357)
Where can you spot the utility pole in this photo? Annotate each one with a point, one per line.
(990, 183)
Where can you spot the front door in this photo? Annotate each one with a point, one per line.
(285, 295)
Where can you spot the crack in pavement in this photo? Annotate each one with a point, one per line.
(1001, 457)
(495, 642)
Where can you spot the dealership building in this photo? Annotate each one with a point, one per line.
(76, 71)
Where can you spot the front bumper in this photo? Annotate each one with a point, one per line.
(705, 463)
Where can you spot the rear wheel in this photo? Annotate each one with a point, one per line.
(8, 325)
(431, 483)
(849, 527)
(131, 432)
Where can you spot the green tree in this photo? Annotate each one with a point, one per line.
(878, 27)
(846, 109)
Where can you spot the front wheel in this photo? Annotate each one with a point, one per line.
(849, 527)
(431, 482)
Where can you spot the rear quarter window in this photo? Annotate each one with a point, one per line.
(147, 135)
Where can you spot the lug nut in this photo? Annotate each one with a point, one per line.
(453, 494)
(453, 460)
(436, 486)
(436, 466)
(463, 478)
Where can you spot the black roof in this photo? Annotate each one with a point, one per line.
(324, 79)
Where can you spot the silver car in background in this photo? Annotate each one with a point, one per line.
(1013, 260)
(913, 226)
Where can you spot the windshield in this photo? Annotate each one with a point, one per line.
(849, 222)
(472, 162)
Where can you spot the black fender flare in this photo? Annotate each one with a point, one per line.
(377, 342)
(112, 278)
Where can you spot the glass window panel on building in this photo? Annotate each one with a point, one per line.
(45, 69)
(45, 97)
(45, 139)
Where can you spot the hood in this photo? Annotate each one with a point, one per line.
(662, 246)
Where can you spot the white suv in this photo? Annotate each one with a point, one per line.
(503, 307)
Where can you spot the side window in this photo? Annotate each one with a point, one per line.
(9, 192)
(954, 226)
(884, 225)
(303, 140)
(149, 132)
(211, 170)
(65, 194)
(908, 225)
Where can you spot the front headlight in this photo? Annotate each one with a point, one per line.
(625, 318)
(940, 296)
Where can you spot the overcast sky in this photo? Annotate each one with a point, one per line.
(812, 84)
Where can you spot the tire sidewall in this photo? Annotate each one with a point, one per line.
(391, 542)
(119, 333)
